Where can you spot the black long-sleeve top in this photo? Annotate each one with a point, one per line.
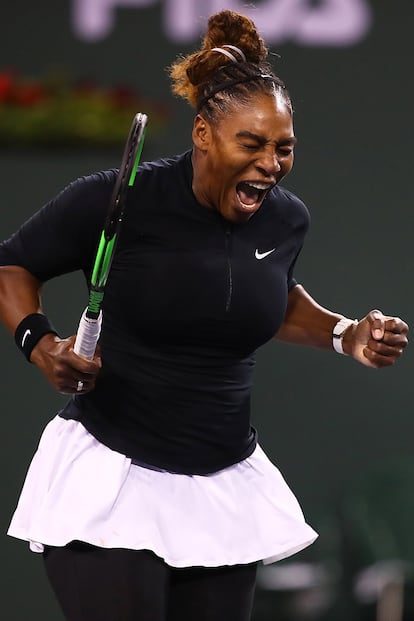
(189, 299)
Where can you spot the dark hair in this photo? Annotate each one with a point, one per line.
(211, 81)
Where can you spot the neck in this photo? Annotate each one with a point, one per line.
(197, 185)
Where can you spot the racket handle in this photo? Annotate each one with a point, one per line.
(87, 335)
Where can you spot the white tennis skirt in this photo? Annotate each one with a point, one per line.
(78, 489)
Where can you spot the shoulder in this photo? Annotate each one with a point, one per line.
(90, 186)
(162, 168)
(167, 164)
(289, 207)
(98, 185)
(161, 183)
(84, 200)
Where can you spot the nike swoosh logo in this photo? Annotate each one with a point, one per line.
(262, 255)
(25, 335)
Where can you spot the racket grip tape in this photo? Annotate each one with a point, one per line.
(87, 335)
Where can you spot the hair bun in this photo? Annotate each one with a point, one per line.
(225, 30)
(231, 28)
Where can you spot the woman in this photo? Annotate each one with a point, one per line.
(149, 496)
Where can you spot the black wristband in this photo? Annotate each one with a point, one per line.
(30, 330)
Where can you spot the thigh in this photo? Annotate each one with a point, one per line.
(96, 584)
(212, 594)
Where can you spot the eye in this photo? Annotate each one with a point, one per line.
(285, 152)
(250, 147)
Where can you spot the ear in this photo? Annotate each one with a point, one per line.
(201, 133)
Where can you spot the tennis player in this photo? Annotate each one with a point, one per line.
(149, 496)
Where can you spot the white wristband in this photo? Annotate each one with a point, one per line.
(338, 333)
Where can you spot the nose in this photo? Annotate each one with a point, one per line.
(268, 164)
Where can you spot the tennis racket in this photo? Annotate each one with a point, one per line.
(90, 323)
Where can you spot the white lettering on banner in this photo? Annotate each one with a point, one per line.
(95, 19)
(326, 23)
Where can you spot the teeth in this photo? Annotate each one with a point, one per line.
(258, 186)
(244, 204)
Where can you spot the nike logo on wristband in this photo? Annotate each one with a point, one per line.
(25, 335)
(262, 255)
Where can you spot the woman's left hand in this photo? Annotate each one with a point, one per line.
(377, 340)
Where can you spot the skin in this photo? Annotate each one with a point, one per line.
(250, 144)
(376, 341)
(254, 144)
(20, 295)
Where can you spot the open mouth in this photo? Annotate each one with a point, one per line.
(251, 194)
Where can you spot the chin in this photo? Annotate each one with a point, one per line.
(245, 212)
(237, 215)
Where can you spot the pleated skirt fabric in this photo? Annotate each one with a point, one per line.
(78, 489)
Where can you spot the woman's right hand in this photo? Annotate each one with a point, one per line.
(66, 371)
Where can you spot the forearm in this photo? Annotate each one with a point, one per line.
(306, 322)
(19, 295)
(376, 340)
(19, 298)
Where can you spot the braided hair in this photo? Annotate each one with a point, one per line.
(229, 68)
